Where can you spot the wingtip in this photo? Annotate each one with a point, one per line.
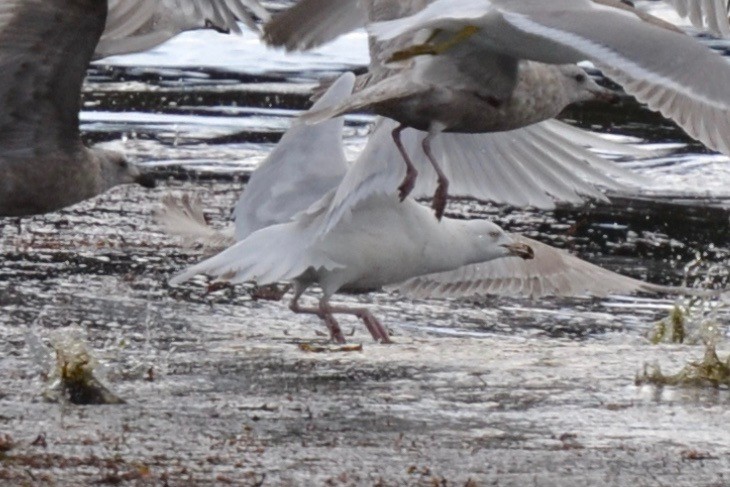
(313, 117)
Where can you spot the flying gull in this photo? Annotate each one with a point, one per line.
(380, 241)
(445, 89)
(45, 48)
(442, 93)
(439, 95)
(659, 65)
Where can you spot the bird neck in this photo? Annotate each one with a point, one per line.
(455, 244)
(540, 87)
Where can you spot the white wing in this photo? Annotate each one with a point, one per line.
(670, 71)
(552, 272)
(137, 25)
(307, 162)
(532, 166)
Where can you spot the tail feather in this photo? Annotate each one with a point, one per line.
(391, 88)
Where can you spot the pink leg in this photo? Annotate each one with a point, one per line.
(336, 334)
(376, 329)
(411, 173)
(442, 190)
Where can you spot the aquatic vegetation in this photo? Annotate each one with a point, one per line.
(6, 443)
(710, 371)
(694, 320)
(76, 375)
(308, 347)
(670, 329)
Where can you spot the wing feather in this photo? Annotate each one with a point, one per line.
(311, 23)
(552, 272)
(276, 253)
(535, 166)
(705, 14)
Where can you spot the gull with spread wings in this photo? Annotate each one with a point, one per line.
(481, 67)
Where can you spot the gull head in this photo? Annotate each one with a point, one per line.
(116, 169)
(581, 87)
(493, 242)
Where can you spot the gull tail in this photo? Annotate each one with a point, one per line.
(391, 88)
(183, 217)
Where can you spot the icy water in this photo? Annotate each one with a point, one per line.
(222, 389)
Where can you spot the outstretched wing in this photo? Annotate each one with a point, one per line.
(137, 25)
(275, 253)
(45, 48)
(532, 166)
(552, 272)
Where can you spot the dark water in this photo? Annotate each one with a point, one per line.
(484, 390)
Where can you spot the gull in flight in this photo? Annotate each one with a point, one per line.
(478, 60)
(45, 48)
(378, 242)
(138, 25)
(436, 96)
(659, 65)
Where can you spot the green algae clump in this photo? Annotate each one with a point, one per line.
(711, 371)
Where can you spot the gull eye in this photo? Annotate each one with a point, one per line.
(580, 78)
(494, 234)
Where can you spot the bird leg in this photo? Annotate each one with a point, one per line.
(411, 173)
(442, 190)
(329, 320)
(374, 326)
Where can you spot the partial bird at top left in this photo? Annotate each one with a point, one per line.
(45, 49)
